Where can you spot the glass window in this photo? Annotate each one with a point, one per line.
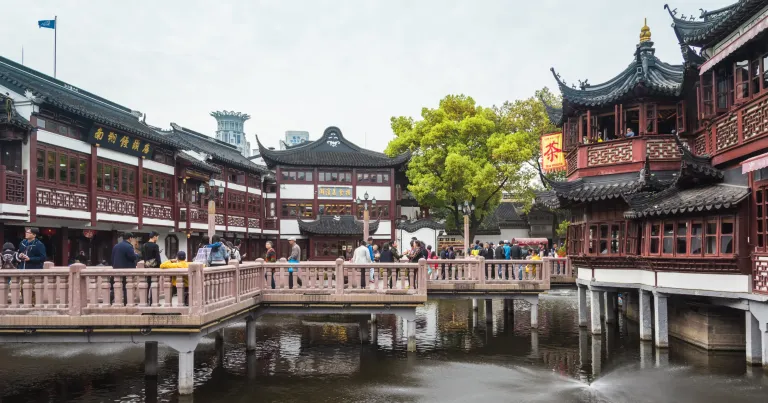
(765, 71)
(696, 234)
(131, 185)
(669, 233)
(73, 171)
(124, 178)
(742, 79)
(682, 242)
(40, 164)
(615, 237)
(726, 236)
(144, 185)
(711, 238)
(99, 176)
(51, 166)
(655, 232)
(115, 179)
(724, 88)
(63, 168)
(755, 73)
(83, 172)
(107, 178)
(707, 103)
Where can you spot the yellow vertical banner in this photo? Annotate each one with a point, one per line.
(552, 158)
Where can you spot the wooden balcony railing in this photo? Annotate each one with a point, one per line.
(13, 186)
(760, 272)
(744, 125)
(270, 223)
(630, 153)
(661, 264)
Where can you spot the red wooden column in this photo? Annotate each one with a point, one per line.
(64, 246)
(175, 210)
(589, 125)
(139, 195)
(92, 183)
(278, 208)
(224, 201)
(32, 193)
(393, 205)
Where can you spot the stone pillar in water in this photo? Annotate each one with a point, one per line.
(364, 333)
(597, 351)
(535, 344)
(645, 315)
(220, 346)
(610, 307)
(602, 305)
(661, 325)
(488, 311)
(411, 329)
(594, 300)
(474, 304)
(374, 332)
(754, 340)
(646, 354)
(582, 291)
(186, 372)
(150, 358)
(250, 334)
(535, 313)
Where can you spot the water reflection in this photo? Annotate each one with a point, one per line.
(461, 355)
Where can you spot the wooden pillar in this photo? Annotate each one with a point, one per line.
(2, 232)
(589, 126)
(175, 211)
(32, 192)
(139, 193)
(92, 183)
(225, 176)
(64, 246)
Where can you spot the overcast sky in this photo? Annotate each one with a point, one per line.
(307, 65)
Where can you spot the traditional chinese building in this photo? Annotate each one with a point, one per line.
(84, 169)
(678, 206)
(319, 185)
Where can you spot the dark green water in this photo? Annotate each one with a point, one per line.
(460, 359)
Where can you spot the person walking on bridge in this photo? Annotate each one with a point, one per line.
(362, 255)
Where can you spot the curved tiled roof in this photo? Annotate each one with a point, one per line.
(678, 201)
(189, 139)
(330, 150)
(413, 226)
(336, 225)
(713, 26)
(653, 76)
(9, 115)
(74, 100)
(197, 163)
(554, 113)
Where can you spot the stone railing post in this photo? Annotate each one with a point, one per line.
(340, 276)
(236, 285)
(48, 265)
(480, 268)
(140, 264)
(76, 289)
(422, 277)
(261, 272)
(195, 288)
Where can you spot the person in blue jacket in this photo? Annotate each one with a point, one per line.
(31, 251)
(124, 254)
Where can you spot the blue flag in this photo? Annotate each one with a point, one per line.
(47, 24)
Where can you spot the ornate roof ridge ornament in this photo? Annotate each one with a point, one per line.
(645, 32)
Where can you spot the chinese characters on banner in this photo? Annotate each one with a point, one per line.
(118, 141)
(334, 192)
(552, 158)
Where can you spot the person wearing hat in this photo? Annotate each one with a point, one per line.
(31, 250)
(179, 263)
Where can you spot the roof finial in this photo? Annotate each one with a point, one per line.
(645, 32)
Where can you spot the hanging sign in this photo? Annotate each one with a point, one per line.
(334, 192)
(128, 144)
(552, 158)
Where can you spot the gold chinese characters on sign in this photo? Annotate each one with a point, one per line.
(334, 192)
(552, 158)
(125, 143)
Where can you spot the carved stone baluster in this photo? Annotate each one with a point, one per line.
(26, 289)
(167, 291)
(3, 292)
(142, 291)
(118, 290)
(104, 290)
(62, 289)
(155, 290)
(206, 288)
(15, 292)
(180, 291)
(410, 278)
(376, 277)
(38, 297)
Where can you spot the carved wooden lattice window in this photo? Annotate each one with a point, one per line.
(61, 168)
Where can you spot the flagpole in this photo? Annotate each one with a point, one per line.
(55, 27)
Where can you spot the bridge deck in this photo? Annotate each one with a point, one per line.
(102, 298)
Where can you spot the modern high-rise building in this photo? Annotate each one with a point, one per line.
(294, 137)
(230, 130)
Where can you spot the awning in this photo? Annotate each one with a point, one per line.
(754, 163)
(759, 27)
(531, 241)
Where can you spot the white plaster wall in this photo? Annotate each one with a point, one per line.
(289, 227)
(237, 229)
(379, 192)
(709, 282)
(270, 195)
(116, 156)
(158, 167)
(409, 211)
(44, 136)
(428, 235)
(297, 191)
(583, 273)
(385, 228)
(111, 217)
(57, 212)
(158, 222)
(254, 191)
(237, 187)
(618, 276)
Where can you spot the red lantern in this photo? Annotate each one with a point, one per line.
(49, 231)
(89, 233)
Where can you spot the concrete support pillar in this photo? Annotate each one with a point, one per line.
(374, 332)
(250, 334)
(594, 299)
(584, 353)
(764, 336)
(511, 308)
(582, 291)
(474, 304)
(488, 311)
(506, 307)
(186, 372)
(610, 307)
(373, 318)
(661, 325)
(220, 346)
(754, 340)
(602, 305)
(365, 336)
(411, 328)
(535, 344)
(644, 304)
(535, 313)
(646, 354)
(662, 357)
(150, 358)
(597, 351)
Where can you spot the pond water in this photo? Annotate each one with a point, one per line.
(460, 358)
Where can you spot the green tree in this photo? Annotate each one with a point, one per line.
(461, 152)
